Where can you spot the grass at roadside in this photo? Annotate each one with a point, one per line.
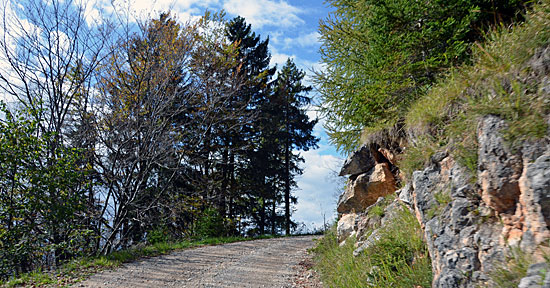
(398, 259)
(78, 269)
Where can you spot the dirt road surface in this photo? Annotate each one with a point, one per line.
(259, 263)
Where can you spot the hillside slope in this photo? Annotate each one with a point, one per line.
(473, 161)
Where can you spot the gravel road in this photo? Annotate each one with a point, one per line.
(258, 263)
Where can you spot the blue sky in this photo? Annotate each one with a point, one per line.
(292, 27)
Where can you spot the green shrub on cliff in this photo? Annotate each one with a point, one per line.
(382, 55)
(500, 81)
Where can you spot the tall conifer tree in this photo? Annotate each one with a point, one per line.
(296, 127)
(238, 140)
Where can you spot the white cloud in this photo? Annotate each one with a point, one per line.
(279, 59)
(185, 10)
(93, 11)
(308, 40)
(265, 12)
(319, 188)
(303, 41)
(259, 13)
(276, 37)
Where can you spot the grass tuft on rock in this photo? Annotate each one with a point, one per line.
(510, 273)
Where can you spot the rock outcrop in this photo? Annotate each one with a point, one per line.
(535, 201)
(536, 273)
(364, 189)
(470, 219)
(462, 245)
(371, 178)
(346, 226)
(499, 169)
(470, 232)
(358, 162)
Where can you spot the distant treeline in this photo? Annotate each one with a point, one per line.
(118, 133)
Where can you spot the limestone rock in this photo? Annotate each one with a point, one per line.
(534, 276)
(406, 195)
(468, 227)
(535, 198)
(388, 155)
(499, 169)
(458, 244)
(537, 269)
(365, 224)
(358, 162)
(363, 245)
(491, 249)
(368, 221)
(460, 214)
(423, 185)
(366, 189)
(346, 226)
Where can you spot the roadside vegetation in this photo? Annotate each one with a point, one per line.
(398, 259)
(382, 56)
(431, 80)
(510, 273)
(499, 82)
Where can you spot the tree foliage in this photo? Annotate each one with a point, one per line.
(122, 134)
(142, 94)
(49, 55)
(42, 215)
(382, 55)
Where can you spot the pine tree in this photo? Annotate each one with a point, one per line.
(295, 127)
(239, 139)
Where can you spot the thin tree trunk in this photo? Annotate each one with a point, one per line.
(225, 182)
(273, 215)
(262, 218)
(232, 192)
(287, 170)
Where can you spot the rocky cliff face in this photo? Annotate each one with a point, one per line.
(370, 179)
(470, 219)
